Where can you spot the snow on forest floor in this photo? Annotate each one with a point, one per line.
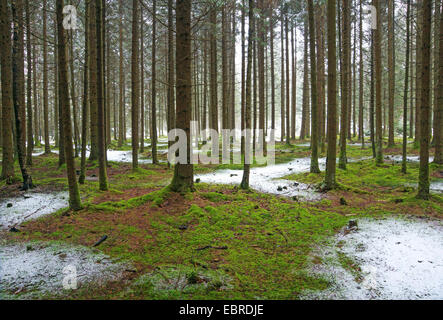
(268, 179)
(37, 269)
(14, 211)
(390, 258)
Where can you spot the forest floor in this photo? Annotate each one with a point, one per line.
(221, 242)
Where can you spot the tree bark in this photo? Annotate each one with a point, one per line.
(330, 180)
(6, 87)
(183, 180)
(74, 194)
(425, 106)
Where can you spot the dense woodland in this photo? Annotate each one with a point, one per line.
(329, 73)
(129, 73)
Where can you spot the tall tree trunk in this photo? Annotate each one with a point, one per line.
(391, 44)
(372, 99)
(288, 87)
(18, 93)
(271, 31)
(261, 78)
(378, 82)
(425, 106)
(304, 124)
(183, 180)
(213, 69)
(29, 130)
(283, 131)
(74, 194)
(93, 89)
(439, 106)
(171, 73)
(73, 95)
(314, 103)
(361, 130)
(330, 180)
(153, 84)
(405, 95)
(321, 75)
(135, 81)
(100, 71)
(6, 89)
(247, 164)
(85, 110)
(436, 67)
(346, 84)
(418, 72)
(121, 126)
(294, 81)
(142, 85)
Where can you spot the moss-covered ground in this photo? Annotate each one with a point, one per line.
(218, 242)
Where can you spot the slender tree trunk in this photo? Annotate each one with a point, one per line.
(425, 106)
(73, 95)
(314, 103)
(439, 106)
(74, 194)
(346, 84)
(330, 180)
(361, 130)
(247, 165)
(29, 130)
(142, 85)
(321, 75)
(85, 110)
(436, 67)
(372, 100)
(294, 81)
(6, 89)
(213, 68)
(261, 78)
(121, 126)
(18, 90)
(93, 89)
(418, 72)
(405, 95)
(153, 84)
(171, 73)
(378, 82)
(100, 75)
(391, 44)
(283, 130)
(271, 30)
(288, 86)
(183, 180)
(135, 81)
